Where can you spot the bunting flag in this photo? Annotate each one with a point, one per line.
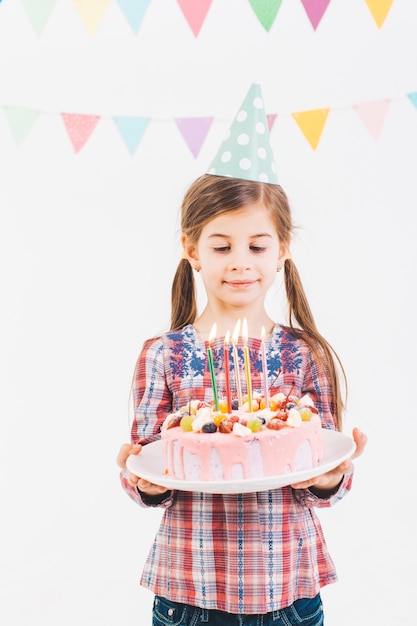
(266, 11)
(379, 10)
(311, 124)
(413, 98)
(315, 10)
(38, 13)
(194, 131)
(91, 13)
(270, 118)
(131, 130)
(79, 127)
(195, 13)
(134, 11)
(21, 121)
(373, 115)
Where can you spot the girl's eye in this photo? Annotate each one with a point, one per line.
(222, 249)
(257, 248)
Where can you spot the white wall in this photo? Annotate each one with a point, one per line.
(88, 246)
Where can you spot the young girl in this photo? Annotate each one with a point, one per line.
(253, 558)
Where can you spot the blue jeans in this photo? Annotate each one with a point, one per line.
(307, 611)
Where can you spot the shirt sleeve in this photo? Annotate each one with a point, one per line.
(309, 499)
(152, 402)
(316, 384)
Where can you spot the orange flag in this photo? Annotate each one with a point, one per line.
(379, 10)
(311, 124)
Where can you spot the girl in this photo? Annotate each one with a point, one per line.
(253, 558)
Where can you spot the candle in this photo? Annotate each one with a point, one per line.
(235, 338)
(247, 363)
(264, 368)
(211, 367)
(227, 371)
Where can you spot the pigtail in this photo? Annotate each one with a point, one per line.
(301, 321)
(183, 296)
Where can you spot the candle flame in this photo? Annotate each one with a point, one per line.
(235, 335)
(245, 330)
(212, 332)
(227, 338)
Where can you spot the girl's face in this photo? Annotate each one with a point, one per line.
(239, 253)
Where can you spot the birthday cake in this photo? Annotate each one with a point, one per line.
(204, 444)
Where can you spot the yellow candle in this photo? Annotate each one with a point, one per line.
(235, 338)
(264, 369)
(247, 363)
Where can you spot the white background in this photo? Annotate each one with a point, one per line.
(89, 244)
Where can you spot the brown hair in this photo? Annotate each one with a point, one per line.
(210, 196)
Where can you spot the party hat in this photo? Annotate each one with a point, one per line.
(246, 150)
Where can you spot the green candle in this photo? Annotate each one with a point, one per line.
(211, 368)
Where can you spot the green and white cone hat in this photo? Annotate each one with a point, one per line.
(246, 150)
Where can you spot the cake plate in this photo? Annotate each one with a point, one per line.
(149, 464)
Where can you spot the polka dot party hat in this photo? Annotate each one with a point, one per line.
(246, 150)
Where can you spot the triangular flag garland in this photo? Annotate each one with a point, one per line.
(413, 98)
(195, 12)
(131, 130)
(91, 13)
(194, 130)
(379, 10)
(311, 124)
(373, 115)
(315, 10)
(79, 127)
(21, 120)
(38, 13)
(134, 11)
(266, 11)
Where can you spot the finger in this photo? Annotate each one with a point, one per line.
(125, 451)
(361, 440)
(123, 454)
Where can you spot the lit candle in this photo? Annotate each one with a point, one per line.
(211, 367)
(227, 371)
(247, 363)
(235, 338)
(264, 368)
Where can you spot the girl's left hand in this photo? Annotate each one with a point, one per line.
(329, 481)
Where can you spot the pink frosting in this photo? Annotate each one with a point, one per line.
(218, 456)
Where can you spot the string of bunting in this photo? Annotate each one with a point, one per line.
(194, 130)
(195, 12)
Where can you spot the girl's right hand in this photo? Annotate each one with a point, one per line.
(135, 481)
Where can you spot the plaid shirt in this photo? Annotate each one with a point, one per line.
(240, 553)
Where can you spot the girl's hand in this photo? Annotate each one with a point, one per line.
(135, 481)
(326, 483)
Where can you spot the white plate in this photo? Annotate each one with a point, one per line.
(149, 464)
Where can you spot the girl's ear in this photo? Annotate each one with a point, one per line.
(189, 250)
(284, 254)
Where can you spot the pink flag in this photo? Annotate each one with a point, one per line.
(271, 117)
(373, 115)
(315, 10)
(195, 12)
(79, 127)
(194, 131)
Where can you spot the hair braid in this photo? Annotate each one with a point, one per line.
(183, 296)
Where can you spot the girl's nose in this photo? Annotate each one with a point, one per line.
(239, 263)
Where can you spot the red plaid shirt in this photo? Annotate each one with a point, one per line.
(240, 553)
